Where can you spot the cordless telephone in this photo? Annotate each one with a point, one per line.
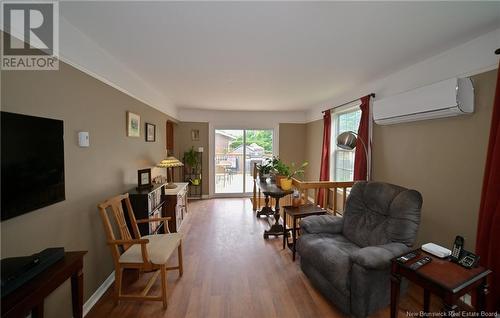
(458, 246)
(462, 257)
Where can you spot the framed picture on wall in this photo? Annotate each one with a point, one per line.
(133, 125)
(150, 132)
(195, 134)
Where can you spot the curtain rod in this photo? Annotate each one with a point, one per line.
(330, 109)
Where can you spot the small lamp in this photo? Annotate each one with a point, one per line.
(348, 140)
(169, 163)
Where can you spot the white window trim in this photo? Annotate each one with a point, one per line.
(333, 142)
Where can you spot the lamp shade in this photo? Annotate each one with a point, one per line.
(347, 140)
(170, 162)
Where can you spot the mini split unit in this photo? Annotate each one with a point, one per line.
(448, 98)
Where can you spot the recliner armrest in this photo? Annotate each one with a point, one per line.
(378, 257)
(322, 224)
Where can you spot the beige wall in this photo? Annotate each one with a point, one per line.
(292, 141)
(108, 167)
(314, 141)
(184, 142)
(444, 160)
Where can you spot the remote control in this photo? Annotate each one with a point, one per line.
(421, 262)
(405, 258)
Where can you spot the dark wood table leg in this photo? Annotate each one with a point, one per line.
(395, 287)
(482, 291)
(77, 293)
(449, 306)
(427, 300)
(266, 205)
(294, 237)
(266, 209)
(276, 229)
(277, 210)
(285, 234)
(37, 311)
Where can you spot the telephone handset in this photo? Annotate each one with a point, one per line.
(461, 256)
(458, 246)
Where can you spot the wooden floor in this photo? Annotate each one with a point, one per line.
(231, 271)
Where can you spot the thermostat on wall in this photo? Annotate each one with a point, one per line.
(83, 139)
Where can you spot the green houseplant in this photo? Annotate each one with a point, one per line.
(280, 170)
(265, 168)
(293, 171)
(192, 160)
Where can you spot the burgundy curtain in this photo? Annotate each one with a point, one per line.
(360, 160)
(488, 231)
(324, 173)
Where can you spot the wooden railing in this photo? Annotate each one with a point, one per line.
(335, 193)
(333, 202)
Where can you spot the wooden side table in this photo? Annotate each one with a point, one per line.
(297, 213)
(441, 277)
(31, 295)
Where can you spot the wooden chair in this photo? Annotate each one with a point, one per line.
(147, 253)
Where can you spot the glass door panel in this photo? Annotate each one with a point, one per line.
(236, 152)
(229, 163)
(258, 147)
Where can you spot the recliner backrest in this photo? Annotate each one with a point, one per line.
(378, 213)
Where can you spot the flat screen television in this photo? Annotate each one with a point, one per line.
(32, 163)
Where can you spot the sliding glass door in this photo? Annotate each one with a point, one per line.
(236, 152)
(259, 147)
(228, 161)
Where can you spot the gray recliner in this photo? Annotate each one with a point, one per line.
(348, 258)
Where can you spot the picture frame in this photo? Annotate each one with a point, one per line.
(150, 132)
(195, 134)
(133, 125)
(144, 179)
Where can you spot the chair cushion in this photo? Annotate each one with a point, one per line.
(159, 248)
(379, 213)
(330, 255)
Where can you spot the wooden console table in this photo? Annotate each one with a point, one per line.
(272, 190)
(30, 297)
(441, 277)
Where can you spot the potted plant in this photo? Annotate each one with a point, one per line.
(281, 170)
(265, 168)
(286, 183)
(192, 160)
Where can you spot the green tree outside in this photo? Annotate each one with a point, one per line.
(263, 138)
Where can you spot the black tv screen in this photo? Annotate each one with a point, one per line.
(32, 163)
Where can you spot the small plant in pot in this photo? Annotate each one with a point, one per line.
(293, 171)
(265, 168)
(281, 170)
(192, 160)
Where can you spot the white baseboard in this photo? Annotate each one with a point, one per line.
(98, 294)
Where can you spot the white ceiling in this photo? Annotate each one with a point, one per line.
(272, 55)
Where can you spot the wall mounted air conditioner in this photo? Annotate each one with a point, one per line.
(448, 98)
